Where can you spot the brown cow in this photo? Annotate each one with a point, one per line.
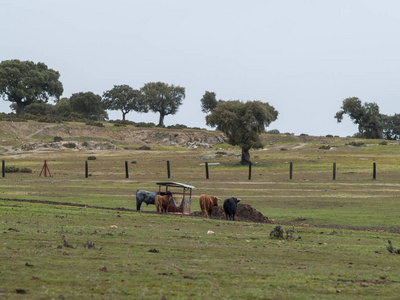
(162, 202)
(207, 204)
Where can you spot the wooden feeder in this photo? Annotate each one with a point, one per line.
(182, 195)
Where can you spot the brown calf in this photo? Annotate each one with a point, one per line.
(162, 202)
(207, 204)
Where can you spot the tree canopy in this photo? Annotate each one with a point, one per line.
(242, 123)
(162, 98)
(125, 99)
(24, 83)
(208, 102)
(366, 115)
(89, 105)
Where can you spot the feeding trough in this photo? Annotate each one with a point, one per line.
(182, 195)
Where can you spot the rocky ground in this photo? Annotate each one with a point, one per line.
(28, 136)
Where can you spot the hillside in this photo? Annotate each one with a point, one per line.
(16, 134)
(35, 135)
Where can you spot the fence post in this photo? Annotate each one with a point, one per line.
(249, 170)
(168, 169)
(3, 168)
(126, 169)
(86, 169)
(374, 172)
(207, 177)
(291, 170)
(334, 171)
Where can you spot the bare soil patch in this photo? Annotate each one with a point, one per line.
(245, 213)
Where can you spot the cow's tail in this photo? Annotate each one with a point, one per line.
(138, 201)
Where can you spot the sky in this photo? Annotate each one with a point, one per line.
(303, 57)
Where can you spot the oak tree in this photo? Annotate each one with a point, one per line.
(366, 116)
(125, 99)
(162, 98)
(242, 123)
(88, 105)
(24, 83)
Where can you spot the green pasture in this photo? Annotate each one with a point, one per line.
(337, 230)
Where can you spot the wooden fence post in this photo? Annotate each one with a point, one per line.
(3, 168)
(250, 170)
(168, 169)
(207, 177)
(334, 171)
(374, 171)
(86, 169)
(291, 170)
(126, 169)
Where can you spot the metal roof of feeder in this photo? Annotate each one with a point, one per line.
(175, 184)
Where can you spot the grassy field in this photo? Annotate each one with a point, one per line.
(334, 245)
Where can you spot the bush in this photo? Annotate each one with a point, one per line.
(325, 147)
(144, 148)
(273, 131)
(177, 126)
(11, 169)
(122, 123)
(58, 138)
(383, 143)
(142, 124)
(93, 123)
(329, 136)
(70, 145)
(92, 157)
(25, 170)
(356, 144)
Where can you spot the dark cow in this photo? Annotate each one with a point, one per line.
(162, 202)
(207, 204)
(230, 207)
(146, 197)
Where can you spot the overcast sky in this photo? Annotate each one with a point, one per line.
(302, 56)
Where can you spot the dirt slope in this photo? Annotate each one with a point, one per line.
(27, 132)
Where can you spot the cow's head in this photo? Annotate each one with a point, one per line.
(215, 201)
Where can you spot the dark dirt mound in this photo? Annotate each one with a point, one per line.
(245, 213)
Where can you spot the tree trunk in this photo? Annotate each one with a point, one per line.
(123, 116)
(20, 107)
(245, 157)
(161, 121)
(378, 132)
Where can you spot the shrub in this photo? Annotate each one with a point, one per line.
(93, 123)
(384, 143)
(325, 147)
(356, 144)
(273, 131)
(329, 136)
(11, 169)
(122, 122)
(25, 170)
(177, 126)
(69, 145)
(58, 138)
(144, 148)
(92, 157)
(142, 124)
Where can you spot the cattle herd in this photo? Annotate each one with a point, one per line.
(207, 202)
